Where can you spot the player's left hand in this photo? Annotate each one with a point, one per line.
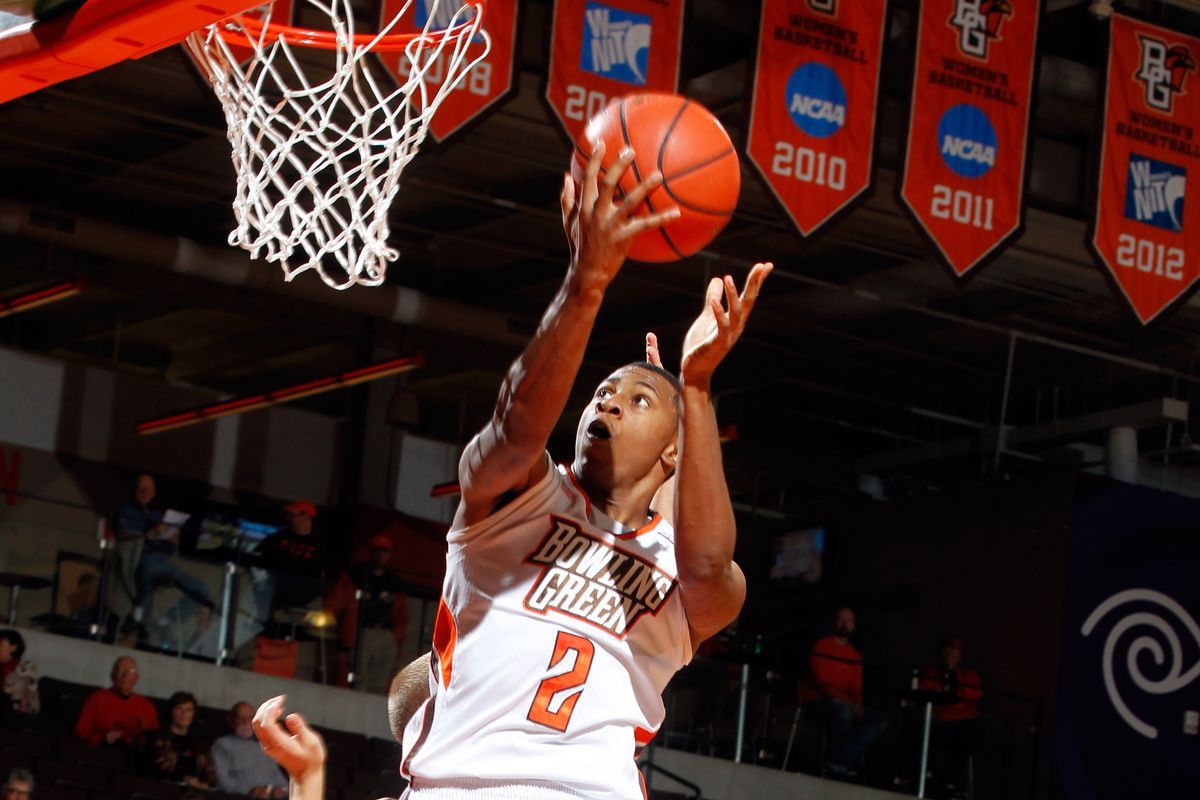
(717, 329)
(299, 750)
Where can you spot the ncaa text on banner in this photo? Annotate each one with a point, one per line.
(604, 49)
(968, 130)
(484, 85)
(816, 92)
(1144, 232)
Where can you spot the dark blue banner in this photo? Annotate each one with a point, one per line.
(1127, 714)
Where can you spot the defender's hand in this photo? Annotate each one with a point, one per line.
(299, 750)
(600, 230)
(716, 330)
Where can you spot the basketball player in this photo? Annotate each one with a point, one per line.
(568, 602)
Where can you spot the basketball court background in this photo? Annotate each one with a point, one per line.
(867, 367)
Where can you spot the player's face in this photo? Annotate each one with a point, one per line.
(627, 426)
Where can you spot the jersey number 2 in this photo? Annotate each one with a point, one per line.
(540, 711)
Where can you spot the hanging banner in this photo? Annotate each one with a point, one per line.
(1144, 233)
(816, 93)
(604, 49)
(486, 84)
(968, 132)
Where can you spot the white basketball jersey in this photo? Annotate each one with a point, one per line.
(557, 633)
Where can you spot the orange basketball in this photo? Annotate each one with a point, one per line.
(684, 142)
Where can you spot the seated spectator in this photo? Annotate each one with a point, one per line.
(295, 558)
(117, 716)
(956, 728)
(240, 763)
(370, 598)
(18, 677)
(836, 698)
(174, 754)
(154, 568)
(18, 786)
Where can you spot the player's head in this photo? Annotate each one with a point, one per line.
(628, 430)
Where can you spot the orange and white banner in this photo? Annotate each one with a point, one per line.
(968, 133)
(1145, 233)
(816, 94)
(486, 85)
(604, 49)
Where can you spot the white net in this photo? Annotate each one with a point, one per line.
(318, 160)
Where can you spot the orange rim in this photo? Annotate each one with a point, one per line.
(327, 40)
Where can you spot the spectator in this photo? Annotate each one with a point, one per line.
(240, 763)
(138, 521)
(380, 612)
(956, 728)
(835, 697)
(117, 716)
(295, 558)
(174, 754)
(18, 677)
(18, 785)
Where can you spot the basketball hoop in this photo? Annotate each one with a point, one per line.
(318, 161)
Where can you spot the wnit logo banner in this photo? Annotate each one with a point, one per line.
(604, 49)
(485, 85)
(816, 92)
(965, 163)
(1146, 232)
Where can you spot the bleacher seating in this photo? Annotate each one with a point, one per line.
(360, 767)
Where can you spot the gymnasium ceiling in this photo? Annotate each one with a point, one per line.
(863, 356)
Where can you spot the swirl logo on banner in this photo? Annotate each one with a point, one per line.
(1145, 233)
(1157, 630)
(964, 169)
(816, 92)
(481, 89)
(604, 49)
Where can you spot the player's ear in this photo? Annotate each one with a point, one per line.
(669, 457)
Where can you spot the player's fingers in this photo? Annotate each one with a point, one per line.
(732, 299)
(268, 712)
(652, 354)
(719, 314)
(638, 194)
(588, 199)
(754, 285)
(567, 199)
(608, 184)
(637, 225)
(713, 291)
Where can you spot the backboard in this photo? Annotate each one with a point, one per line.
(36, 53)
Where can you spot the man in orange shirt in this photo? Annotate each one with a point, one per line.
(835, 697)
(116, 716)
(956, 727)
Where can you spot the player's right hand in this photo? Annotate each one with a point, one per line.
(600, 229)
(299, 750)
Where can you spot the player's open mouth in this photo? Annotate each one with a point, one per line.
(598, 430)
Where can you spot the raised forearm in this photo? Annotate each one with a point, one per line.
(310, 787)
(537, 386)
(713, 587)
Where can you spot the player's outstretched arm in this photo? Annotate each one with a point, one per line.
(506, 456)
(711, 585)
(299, 750)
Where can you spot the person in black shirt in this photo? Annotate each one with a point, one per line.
(174, 754)
(295, 558)
(374, 623)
